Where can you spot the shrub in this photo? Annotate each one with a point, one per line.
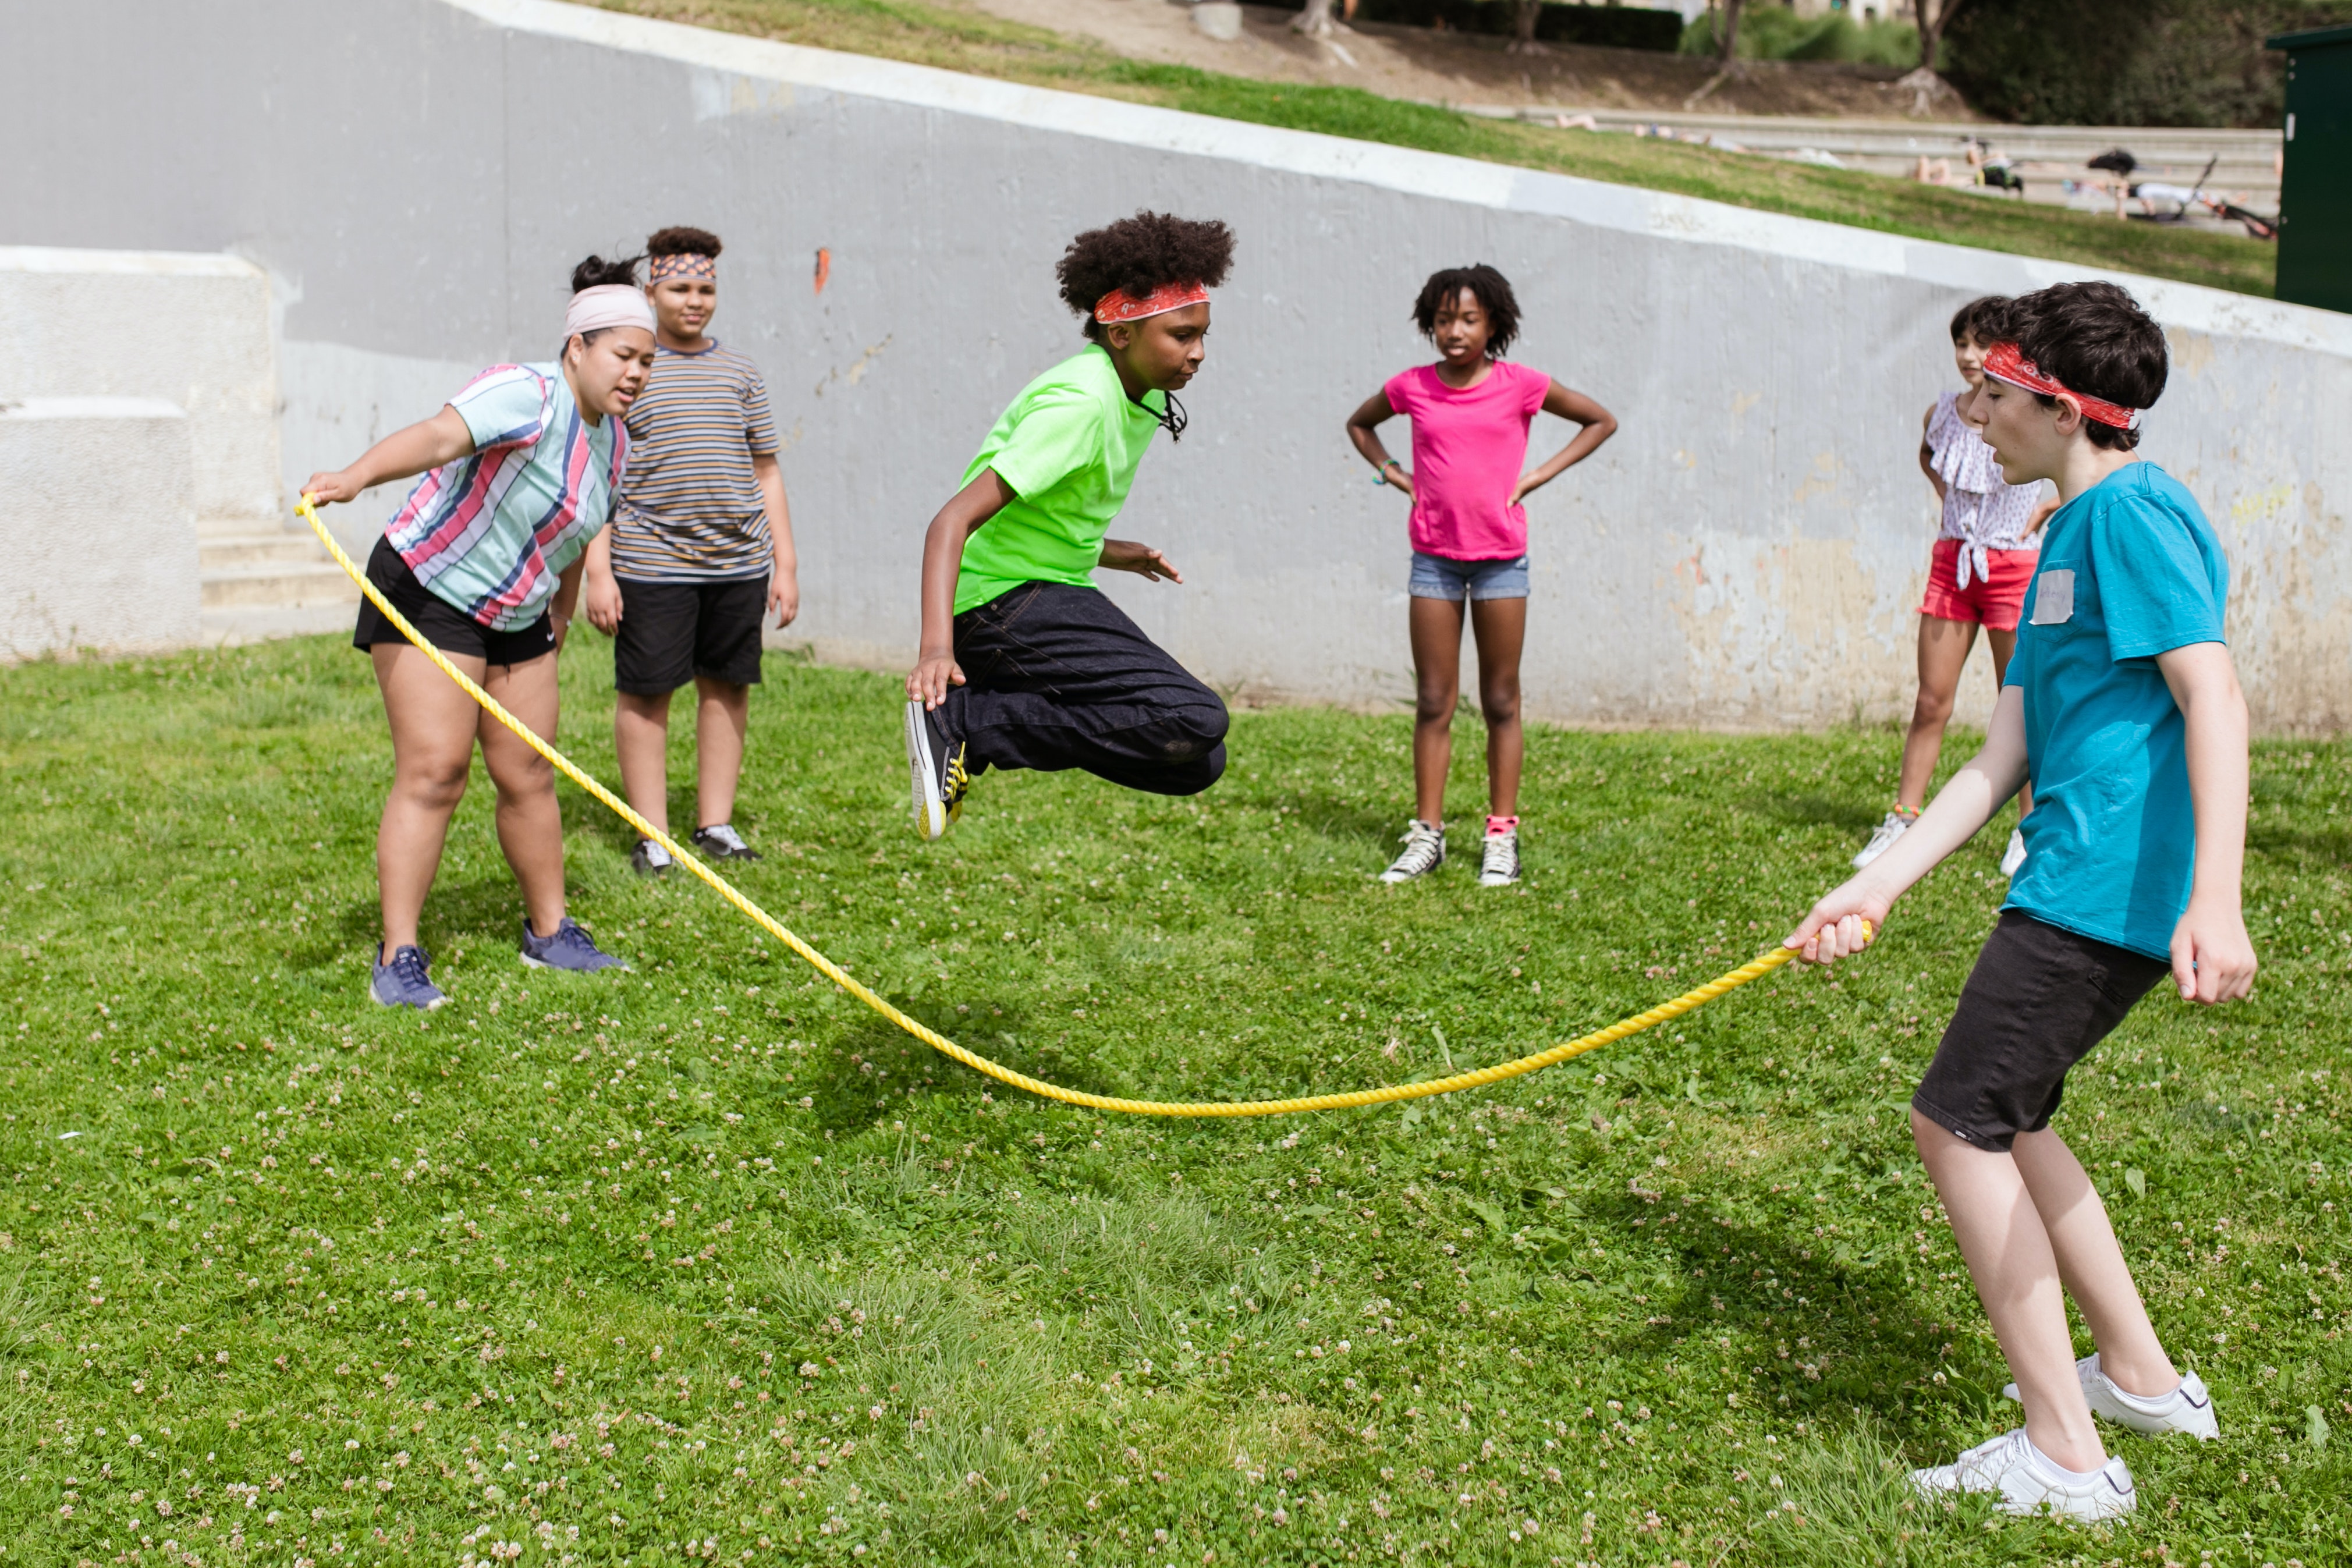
(1770, 33)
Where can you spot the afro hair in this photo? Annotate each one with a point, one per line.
(679, 240)
(1138, 255)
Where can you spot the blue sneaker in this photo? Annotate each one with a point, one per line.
(570, 948)
(405, 980)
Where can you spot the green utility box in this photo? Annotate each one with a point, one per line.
(2314, 260)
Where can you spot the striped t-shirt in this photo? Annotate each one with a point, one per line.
(490, 533)
(691, 509)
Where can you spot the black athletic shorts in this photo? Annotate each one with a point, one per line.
(672, 632)
(2036, 1003)
(444, 626)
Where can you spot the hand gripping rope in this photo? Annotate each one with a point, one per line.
(1754, 969)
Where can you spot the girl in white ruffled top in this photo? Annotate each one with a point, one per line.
(1983, 559)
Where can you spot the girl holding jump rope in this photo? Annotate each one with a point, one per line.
(1470, 413)
(484, 559)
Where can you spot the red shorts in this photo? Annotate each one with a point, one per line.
(1997, 599)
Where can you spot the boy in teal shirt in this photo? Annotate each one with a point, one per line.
(1023, 662)
(2123, 710)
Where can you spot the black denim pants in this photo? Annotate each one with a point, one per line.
(1059, 677)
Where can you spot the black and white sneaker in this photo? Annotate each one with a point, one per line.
(1424, 852)
(723, 842)
(650, 860)
(936, 764)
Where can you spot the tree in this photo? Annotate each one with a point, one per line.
(1524, 14)
(1934, 16)
(1727, 43)
(1316, 21)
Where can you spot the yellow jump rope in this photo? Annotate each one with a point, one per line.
(1754, 969)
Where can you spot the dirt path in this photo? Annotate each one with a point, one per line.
(1457, 68)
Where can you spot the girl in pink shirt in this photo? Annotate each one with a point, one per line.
(1470, 413)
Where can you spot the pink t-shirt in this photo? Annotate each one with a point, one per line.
(1468, 449)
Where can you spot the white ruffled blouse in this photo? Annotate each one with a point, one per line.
(1981, 510)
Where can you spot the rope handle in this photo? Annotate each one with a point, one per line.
(1754, 969)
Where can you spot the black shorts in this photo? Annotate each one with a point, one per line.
(2037, 1001)
(672, 632)
(444, 626)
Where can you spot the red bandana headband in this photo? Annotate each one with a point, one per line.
(686, 266)
(1119, 305)
(2005, 362)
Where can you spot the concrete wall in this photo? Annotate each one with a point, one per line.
(190, 329)
(97, 526)
(419, 176)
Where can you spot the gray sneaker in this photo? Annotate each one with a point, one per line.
(2187, 1408)
(1498, 861)
(405, 980)
(571, 948)
(723, 842)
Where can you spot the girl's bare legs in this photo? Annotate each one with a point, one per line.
(1943, 648)
(530, 823)
(722, 714)
(1501, 628)
(2034, 1232)
(432, 725)
(1436, 627)
(641, 738)
(2004, 644)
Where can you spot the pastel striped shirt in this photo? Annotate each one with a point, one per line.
(489, 534)
(691, 509)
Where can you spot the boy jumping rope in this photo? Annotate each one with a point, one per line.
(701, 544)
(2123, 708)
(1023, 662)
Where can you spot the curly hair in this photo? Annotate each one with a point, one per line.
(1138, 255)
(1968, 320)
(1488, 286)
(680, 240)
(2093, 338)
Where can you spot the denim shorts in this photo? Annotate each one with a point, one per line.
(1441, 577)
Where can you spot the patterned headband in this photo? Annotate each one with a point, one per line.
(686, 266)
(2006, 362)
(1119, 305)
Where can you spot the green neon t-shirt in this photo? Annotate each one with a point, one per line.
(1068, 449)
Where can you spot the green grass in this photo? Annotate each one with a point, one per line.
(956, 39)
(708, 1255)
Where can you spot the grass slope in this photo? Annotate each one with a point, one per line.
(706, 1263)
(960, 40)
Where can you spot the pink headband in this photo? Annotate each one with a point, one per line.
(1119, 305)
(688, 264)
(2006, 362)
(606, 305)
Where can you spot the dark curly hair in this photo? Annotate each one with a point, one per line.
(1488, 286)
(595, 272)
(2093, 338)
(1968, 320)
(680, 240)
(1138, 255)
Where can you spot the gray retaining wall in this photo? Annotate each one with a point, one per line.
(418, 176)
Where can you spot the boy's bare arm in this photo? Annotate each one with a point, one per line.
(404, 453)
(1833, 929)
(2212, 957)
(784, 572)
(935, 667)
(604, 592)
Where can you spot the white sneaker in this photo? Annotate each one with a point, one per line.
(2187, 1408)
(1884, 840)
(1425, 851)
(1498, 864)
(2014, 858)
(2026, 1478)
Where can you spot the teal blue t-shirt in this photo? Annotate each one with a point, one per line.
(2129, 568)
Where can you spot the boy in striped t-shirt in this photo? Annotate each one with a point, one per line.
(701, 542)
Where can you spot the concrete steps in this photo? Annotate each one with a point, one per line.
(258, 583)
